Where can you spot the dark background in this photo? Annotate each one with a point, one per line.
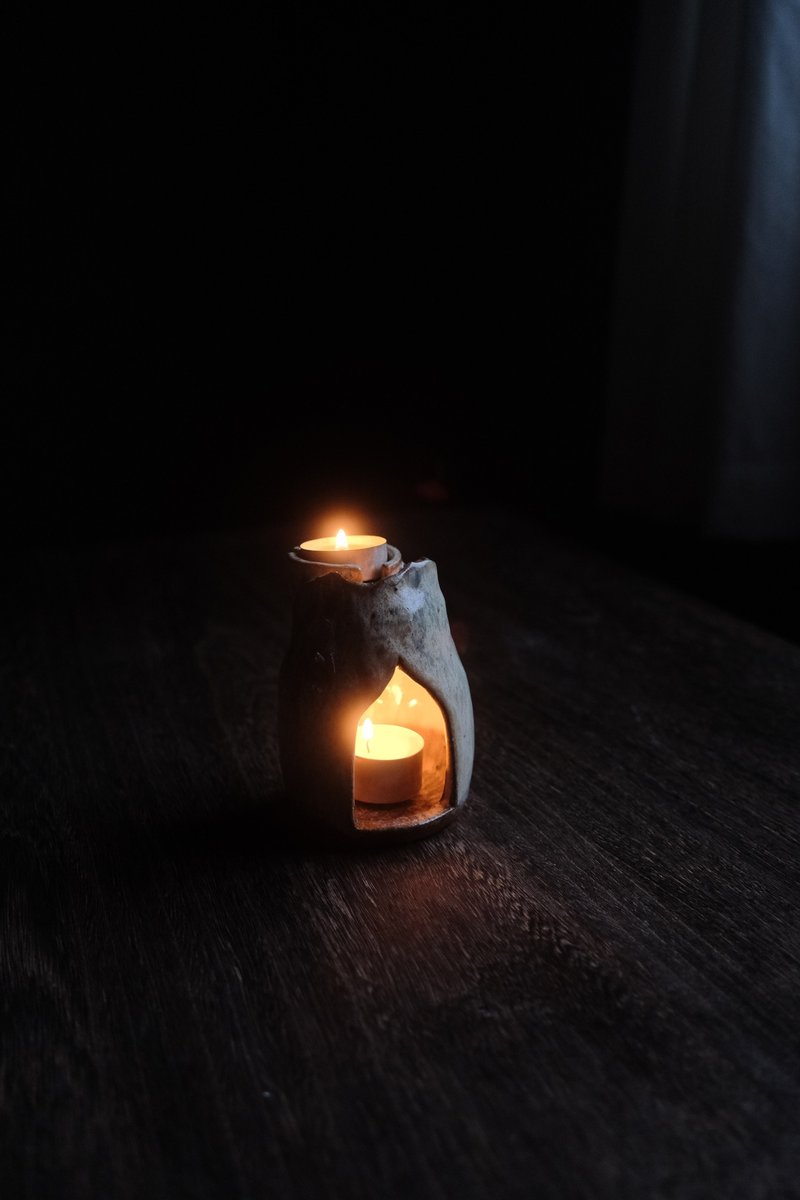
(356, 256)
(348, 253)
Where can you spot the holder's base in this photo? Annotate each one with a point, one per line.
(406, 828)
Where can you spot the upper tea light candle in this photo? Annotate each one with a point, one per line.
(387, 767)
(363, 550)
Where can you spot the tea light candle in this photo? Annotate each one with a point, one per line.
(387, 766)
(362, 550)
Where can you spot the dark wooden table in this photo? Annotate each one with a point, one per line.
(586, 986)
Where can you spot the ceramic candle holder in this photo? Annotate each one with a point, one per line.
(373, 702)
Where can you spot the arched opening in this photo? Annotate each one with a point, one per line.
(401, 757)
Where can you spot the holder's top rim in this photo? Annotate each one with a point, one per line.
(351, 572)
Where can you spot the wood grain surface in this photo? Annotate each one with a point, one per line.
(585, 987)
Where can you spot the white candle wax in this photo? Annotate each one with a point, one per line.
(387, 766)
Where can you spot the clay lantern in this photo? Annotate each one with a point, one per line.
(375, 716)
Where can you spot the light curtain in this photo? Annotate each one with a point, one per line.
(702, 426)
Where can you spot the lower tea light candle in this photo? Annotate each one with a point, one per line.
(374, 710)
(388, 763)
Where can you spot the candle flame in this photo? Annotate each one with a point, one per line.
(367, 730)
(341, 541)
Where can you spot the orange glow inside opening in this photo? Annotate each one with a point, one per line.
(407, 703)
(405, 714)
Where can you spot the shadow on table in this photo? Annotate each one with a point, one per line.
(240, 835)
